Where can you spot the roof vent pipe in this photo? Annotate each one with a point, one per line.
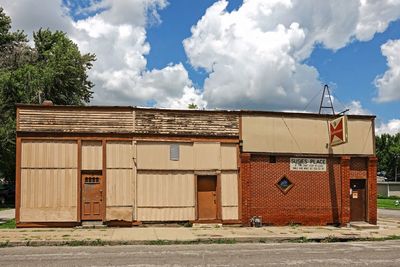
(47, 103)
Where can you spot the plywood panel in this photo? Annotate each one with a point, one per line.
(49, 154)
(156, 156)
(163, 189)
(303, 135)
(48, 188)
(60, 214)
(92, 155)
(119, 154)
(229, 157)
(229, 189)
(166, 214)
(119, 213)
(120, 187)
(230, 213)
(207, 156)
(76, 119)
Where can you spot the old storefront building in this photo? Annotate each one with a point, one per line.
(127, 165)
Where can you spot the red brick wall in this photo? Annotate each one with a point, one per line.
(345, 208)
(315, 198)
(371, 190)
(358, 168)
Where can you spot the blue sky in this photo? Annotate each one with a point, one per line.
(350, 71)
(270, 55)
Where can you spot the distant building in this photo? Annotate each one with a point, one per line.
(128, 165)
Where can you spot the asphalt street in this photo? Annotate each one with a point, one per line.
(388, 213)
(384, 253)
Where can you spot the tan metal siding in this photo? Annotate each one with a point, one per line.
(53, 119)
(207, 156)
(156, 156)
(48, 181)
(119, 154)
(48, 195)
(92, 155)
(229, 157)
(230, 213)
(165, 189)
(303, 135)
(166, 214)
(61, 214)
(229, 189)
(120, 180)
(49, 154)
(119, 187)
(229, 196)
(119, 213)
(187, 122)
(165, 196)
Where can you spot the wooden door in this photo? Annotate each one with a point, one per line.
(92, 197)
(207, 197)
(357, 200)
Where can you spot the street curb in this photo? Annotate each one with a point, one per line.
(210, 240)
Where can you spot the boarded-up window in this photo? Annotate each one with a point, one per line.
(174, 152)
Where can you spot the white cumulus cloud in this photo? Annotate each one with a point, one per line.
(117, 35)
(388, 84)
(356, 108)
(391, 127)
(255, 55)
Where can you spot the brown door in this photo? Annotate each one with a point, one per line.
(207, 197)
(357, 200)
(92, 197)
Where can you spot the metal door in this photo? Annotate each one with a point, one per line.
(357, 200)
(207, 197)
(92, 197)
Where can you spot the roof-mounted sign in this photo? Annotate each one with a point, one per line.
(338, 131)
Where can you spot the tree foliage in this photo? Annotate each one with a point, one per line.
(388, 153)
(193, 106)
(53, 69)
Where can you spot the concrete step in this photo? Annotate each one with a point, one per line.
(363, 225)
(93, 224)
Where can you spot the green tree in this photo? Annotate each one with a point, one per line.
(54, 69)
(62, 69)
(192, 106)
(388, 153)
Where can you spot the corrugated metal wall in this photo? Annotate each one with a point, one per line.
(229, 196)
(166, 188)
(48, 181)
(192, 156)
(147, 160)
(165, 196)
(92, 155)
(120, 180)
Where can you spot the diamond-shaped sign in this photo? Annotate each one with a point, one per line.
(338, 131)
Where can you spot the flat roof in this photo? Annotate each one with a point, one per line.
(244, 112)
